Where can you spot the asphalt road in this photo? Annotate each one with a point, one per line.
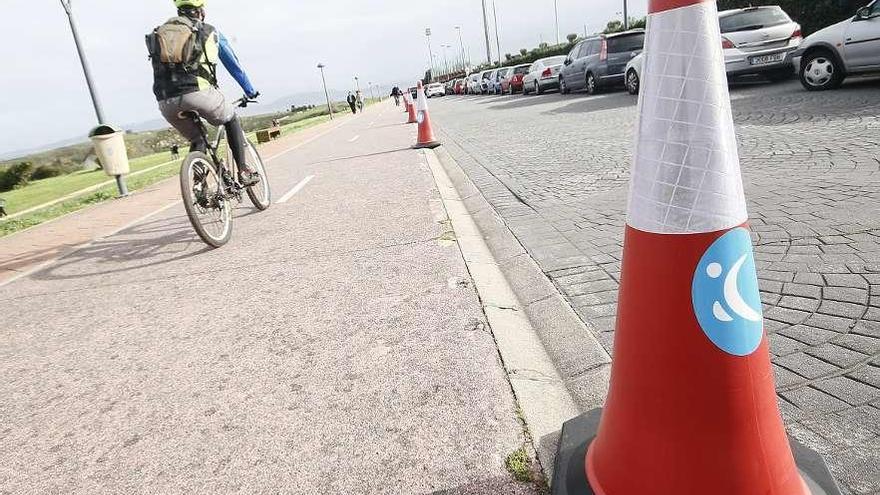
(556, 168)
(336, 345)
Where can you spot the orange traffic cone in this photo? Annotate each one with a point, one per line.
(692, 405)
(426, 133)
(411, 109)
(405, 102)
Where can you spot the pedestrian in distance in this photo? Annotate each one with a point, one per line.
(175, 151)
(395, 92)
(352, 102)
(360, 101)
(2, 207)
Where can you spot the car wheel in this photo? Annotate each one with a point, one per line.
(538, 89)
(592, 85)
(632, 82)
(562, 87)
(820, 71)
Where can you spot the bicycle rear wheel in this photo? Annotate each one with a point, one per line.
(259, 193)
(208, 208)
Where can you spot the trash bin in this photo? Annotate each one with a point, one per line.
(110, 147)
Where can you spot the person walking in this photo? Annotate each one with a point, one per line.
(175, 151)
(360, 101)
(352, 102)
(395, 92)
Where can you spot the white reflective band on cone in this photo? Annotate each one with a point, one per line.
(686, 176)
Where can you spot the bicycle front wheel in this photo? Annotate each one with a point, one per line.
(207, 206)
(259, 193)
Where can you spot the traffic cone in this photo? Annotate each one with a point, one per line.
(411, 109)
(692, 405)
(405, 102)
(426, 133)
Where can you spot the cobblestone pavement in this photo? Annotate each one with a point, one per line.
(811, 165)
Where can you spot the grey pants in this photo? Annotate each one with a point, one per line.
(209, 103)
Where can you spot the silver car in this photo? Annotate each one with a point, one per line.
(543, 75)
(759, 40)
(847, 48)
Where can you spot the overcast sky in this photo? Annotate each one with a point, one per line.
(279, 42)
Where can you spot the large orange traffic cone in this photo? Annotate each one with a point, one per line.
(411, 110)
(426, 133)
(692, 406)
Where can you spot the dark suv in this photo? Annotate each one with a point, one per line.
(599, 61)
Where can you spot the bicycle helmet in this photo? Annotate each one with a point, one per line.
(193, 4)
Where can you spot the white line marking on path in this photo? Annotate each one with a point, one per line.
(307, 141)
(295, 189)
(354, 138)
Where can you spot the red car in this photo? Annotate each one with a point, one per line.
(514, 84)
(459, 86)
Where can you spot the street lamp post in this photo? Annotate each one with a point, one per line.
(430, 52)
(99, 111)
(497, 38)
(461, 46)
(326, 94)
(625, 17)
(357, 83)
(445, 58)
(372, 95)
(556, 15)
(96, 102)
(486, 32)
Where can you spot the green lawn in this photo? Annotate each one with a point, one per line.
(43, 191)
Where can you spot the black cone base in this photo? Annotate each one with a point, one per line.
(570, 476)
(429, 144)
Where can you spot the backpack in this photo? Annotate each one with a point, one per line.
(178, 47)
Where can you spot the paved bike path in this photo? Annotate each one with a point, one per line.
(335, 345)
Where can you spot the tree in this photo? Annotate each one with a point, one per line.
(571, 38)
(543, 46)
(614, 26)
(523, 52)
(508, 57)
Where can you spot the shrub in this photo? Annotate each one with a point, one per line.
(47, 171)
(15, 176)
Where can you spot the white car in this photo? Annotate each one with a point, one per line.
(543, 74)
(847, 48)
(756, 40)
(435, 89)
(473, 83)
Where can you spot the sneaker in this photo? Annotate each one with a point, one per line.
(248, 177)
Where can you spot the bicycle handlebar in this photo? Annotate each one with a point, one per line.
(244, 101)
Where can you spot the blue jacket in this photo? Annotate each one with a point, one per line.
(230, 61)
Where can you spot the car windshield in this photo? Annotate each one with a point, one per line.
(522, 69)
(627, 43)
(753, 19)
(547, 62)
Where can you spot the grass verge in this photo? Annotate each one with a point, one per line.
(46, 190)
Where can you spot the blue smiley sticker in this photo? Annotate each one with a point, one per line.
(725, 294)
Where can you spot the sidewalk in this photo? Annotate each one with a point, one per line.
(335, 345)
(31, 248)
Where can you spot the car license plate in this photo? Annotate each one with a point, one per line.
(767, 59)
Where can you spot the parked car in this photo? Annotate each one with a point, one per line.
(600, 61)
(847, 48)
(449, 87)
(487, 81)
(435, 89)
(513, 82)
(633, 78)
(759, 40)
(473, 83)
(542, 75)
(500, 77)
(458, 86)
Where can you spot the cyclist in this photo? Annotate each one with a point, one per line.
(185, 52)
(395, 92)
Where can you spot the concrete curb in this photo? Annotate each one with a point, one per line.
(541, 394)
(578, 358)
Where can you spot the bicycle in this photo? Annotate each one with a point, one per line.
(209, 184)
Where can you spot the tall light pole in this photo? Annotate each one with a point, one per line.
(445, 58)
(372, 95)
(357, 83)
(461, 45)
(430, 52)
(625, 17)
(556, 14)
(486, 32)
(326, 94)
(497, 38)
(99, 111)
